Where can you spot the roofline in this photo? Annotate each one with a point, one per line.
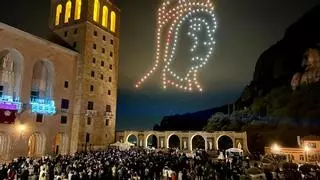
(33, 37)
(114, 5)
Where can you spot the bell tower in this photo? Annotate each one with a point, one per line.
(91, 27)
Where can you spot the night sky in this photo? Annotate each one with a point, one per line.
(245, 29)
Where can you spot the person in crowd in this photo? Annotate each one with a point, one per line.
(12, 174)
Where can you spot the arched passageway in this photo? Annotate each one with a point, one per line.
(61, 144)
(224, 142)
(36, 145)
(173, 141)
(133, 139)
(198, 142)
(152, 141)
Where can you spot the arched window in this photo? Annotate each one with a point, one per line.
(77, 13)
(96, 10)
(113, 22)
(68, 12)
(42, 88)
(11, 67)
(42, 80)
(58, 13)
(105, 16)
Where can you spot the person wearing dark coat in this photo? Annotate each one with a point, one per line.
(24, 174)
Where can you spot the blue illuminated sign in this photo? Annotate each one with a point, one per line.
(43, 106)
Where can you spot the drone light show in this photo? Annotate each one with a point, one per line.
(171, 18)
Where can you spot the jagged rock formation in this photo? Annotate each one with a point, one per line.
(311, 70)
(278, 64)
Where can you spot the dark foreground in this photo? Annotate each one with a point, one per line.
(146, 164)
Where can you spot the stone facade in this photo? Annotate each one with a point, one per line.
(80, 77)
(26, 50)
(308, 150)
(93, 128)
(211, 140)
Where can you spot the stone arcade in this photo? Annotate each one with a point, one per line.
(211, 140)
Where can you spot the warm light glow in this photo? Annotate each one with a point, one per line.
(77, 13)
(105, 16)
(276, 148)
(113, 22)
(96, 10)
(68, 12)
(22, 127)
(171, 17)
(306, 148)
(58, 14)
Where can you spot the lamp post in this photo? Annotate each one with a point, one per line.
(276, 149)
(22, 128)
(306, 150)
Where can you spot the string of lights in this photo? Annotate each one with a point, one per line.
(172, 15)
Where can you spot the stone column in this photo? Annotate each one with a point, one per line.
(234, 142)
(211, 145)
(205, 144)
(185, 144)
(146, 142)
(190, 144)
(140, 140)
(162, 142)
(216, 142)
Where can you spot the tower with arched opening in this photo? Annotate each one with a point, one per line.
(91, 27)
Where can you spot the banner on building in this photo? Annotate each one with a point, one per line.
(7, 116)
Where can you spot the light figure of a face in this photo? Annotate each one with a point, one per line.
(198, 15)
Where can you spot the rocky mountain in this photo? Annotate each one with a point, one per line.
(277, 65)
(274, 69)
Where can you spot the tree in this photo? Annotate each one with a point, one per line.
(218, 122)
(259, 106)
(245, 115)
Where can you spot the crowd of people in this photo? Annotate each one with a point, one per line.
(133, 164)
(115, 164)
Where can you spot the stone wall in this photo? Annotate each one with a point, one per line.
(32, 49)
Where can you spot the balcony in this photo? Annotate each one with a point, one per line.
(10, 103)
(43, 106)
(63, 110)
(91, 113)
(108, 115)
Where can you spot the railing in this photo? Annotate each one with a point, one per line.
(43, 106)
(108, 114)
(91, 113)
(10, 103)
(64, 110)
